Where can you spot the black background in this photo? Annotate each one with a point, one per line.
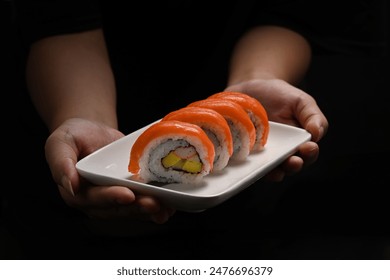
(336, 209)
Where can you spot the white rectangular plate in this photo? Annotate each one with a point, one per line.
(108, 166)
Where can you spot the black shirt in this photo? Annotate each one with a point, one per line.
(168, 53)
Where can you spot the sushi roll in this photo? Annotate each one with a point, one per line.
(241, 127)
(172, 152)
(256, 112)
(215, 126)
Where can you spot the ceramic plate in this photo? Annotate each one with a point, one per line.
(108, 166)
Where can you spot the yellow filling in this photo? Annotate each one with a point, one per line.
(192, 164)
(170, 160)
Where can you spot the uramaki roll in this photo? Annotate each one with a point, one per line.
(172, 152)
(215, 126)
(256, 113)
(241, 127)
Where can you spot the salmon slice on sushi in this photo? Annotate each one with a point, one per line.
(241, 127)
(215, 126)
(172, 152)
(256, 113)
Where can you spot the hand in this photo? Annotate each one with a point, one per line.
(289, 105)
(77, 138)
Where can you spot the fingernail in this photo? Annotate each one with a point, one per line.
(67, 185)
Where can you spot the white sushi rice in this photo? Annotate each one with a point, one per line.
(217, 136)
(152, 169)
(241, 140)
(259, 130)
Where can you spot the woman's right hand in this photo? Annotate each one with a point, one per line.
(77, 138)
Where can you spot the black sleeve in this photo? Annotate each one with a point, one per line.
(38, 19)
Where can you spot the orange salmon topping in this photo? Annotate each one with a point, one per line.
(229, 110)
(168, 129)
(250, 104)
(198, 116)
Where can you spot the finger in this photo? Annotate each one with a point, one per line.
(317, 126)
(160, 217)
(143, 206)
(134, 211)
(292, 165)
(62, 157)
(275, 175)
(103, 202)
(163, 215)
(309, 152)
(158, 213)
(311, 118)
(106, 196)
(128, 213)
(118, 212)
(148, 204)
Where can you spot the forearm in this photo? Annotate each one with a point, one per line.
(70, 76)
(270, 52)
